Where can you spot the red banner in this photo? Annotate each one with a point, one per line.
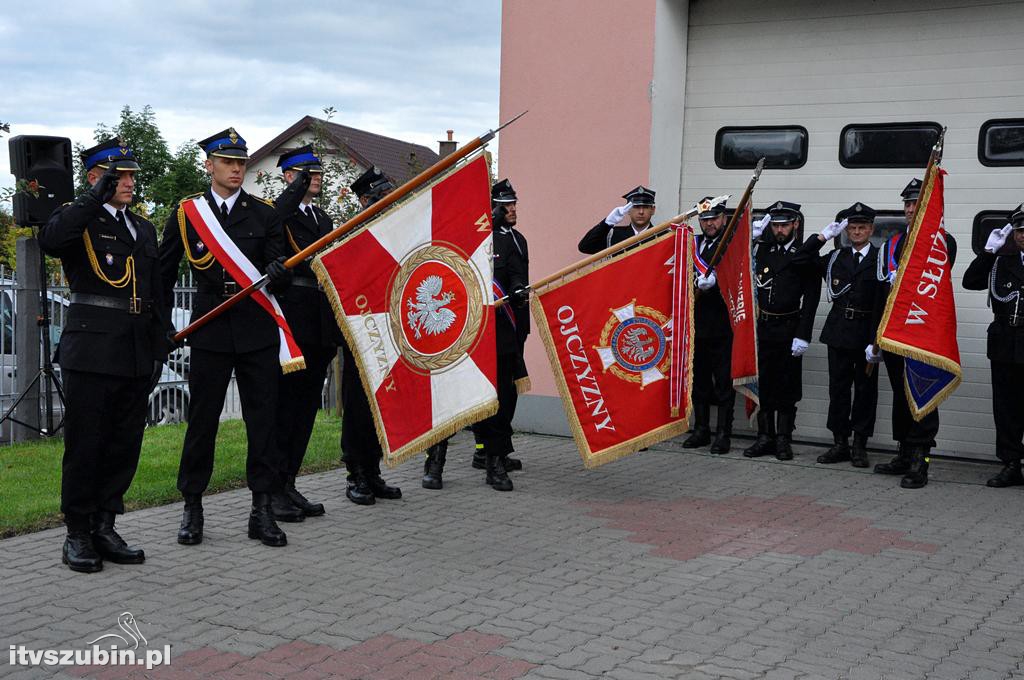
(610, 347)
(735, 279)
(920, 315)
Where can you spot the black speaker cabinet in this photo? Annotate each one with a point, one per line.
(47, 160)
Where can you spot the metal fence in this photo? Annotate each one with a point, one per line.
(168, 403)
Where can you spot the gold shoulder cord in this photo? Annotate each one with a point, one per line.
(129, 266)
(291, 240)
(200, 263)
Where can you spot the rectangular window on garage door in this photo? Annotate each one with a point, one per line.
(782, 147)
(984, 223)
(1001, 142)
(887, 145)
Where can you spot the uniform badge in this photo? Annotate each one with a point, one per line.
(200, 246)
(110, 259)
(766, 270)
(835, 282)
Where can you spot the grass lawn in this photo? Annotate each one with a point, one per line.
(30, 472)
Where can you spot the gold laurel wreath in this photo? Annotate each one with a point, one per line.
(474, 309)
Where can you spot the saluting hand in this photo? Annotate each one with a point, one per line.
(617, 215)
(997, 239)
(105, 187)
(759, 226)
(833, 230)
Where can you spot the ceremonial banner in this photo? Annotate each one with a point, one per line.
(920, 315)
(608, 334)
(735, 280)
(412, 294)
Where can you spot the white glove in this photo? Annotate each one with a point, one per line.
(799, 347)
(759, 226)
(616, 216)
(997, 238)
(892, 276)
(833, 230)
(707, 282)
(872, 354)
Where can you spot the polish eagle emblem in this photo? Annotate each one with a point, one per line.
(634, 344)
(429, 313)
(637, 345)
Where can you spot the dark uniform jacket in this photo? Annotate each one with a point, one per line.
(710, 313)
(1003, 277)
(511, 271)
(786, 288)
(853, 289)
(305, 306)
(602, 236)
(96, 339)
(254, 226)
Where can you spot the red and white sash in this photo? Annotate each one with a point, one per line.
(238, 266)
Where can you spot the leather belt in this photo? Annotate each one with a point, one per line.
(1011, 320)
(306, 282)
(763, 315)
(851, 313)
(132, 305)
(227, 290)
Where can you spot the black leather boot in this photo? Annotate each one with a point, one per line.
(701, 427)
(513, 464)
(433, 465)
(379, 487)
(917, 475)
(109, 544)
(859, 452)
(191, 530)
(784, 438)
(308, 508)
(78, 552)
(359, 491)
(839, 452)
(1010, 475)
(261, 522)
(899, 465)
(283, 508)
(479, 458)
(764, 445)
(496, 475)
(723, 430)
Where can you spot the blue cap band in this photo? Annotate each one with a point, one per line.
(222, 142)
(301, 158)
(108, 154)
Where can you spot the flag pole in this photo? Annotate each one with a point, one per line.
(361, 218)
(730, 228)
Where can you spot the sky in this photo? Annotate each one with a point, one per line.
(406, 69)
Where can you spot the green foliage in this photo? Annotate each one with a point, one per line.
(185, 176)
(139, 132)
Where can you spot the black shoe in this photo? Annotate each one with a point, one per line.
(261, 522)
(859, 452)
(433, 465)
(79, 553)
(109, 544)
(783, 447)
(701, 437)
(284, 510)
(1010, 475)
(722, 443)
(513, 464)
(496, 475)
(839, 452)
(723, 428)
(359, 491)
(191, 530)
(301, 502)
(762, 446)
(380, 488)
(479, 458)
(899, 465)
(917, 475)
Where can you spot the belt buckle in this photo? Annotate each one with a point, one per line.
(848, 314)
(134, 305)
(230, 288)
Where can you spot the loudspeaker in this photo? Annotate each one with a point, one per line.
(47, 160)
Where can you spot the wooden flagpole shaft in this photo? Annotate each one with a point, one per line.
(361, 218)
(719, 253)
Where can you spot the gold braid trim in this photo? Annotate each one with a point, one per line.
(291, 240)
(200, 263)
(129, 266)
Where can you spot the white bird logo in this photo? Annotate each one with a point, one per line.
(127, 623)
(429, 314)
(638, 345)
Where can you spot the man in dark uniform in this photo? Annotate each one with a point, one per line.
(852, 286)
(712, 353)
(360, 449)
(244, 339)
(312, 322)
(787, 298)
(1001, 270)
(915, 438)
(639, 208)
(111, 351)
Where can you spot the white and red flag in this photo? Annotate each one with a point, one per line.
(412, 294)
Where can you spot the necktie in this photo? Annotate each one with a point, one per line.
(309, 213)
(124, 224)
(224, 212)
(859, 256)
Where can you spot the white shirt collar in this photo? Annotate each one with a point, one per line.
(127, 221)
(230, 200)
(862, 250)
(635, 229)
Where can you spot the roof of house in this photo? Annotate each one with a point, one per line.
(399, 160)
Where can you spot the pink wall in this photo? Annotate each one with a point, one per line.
(583, 69)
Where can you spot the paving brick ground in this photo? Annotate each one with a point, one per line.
(668, 564)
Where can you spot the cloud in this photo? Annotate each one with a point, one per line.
(406, 69)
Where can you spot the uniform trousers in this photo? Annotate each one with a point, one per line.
(104, 420)
(905, 429)
(495, 433)
(256, 375)
(846, 369)
(780, 374)
(299, 398)
(712, 371)
(1008, 410)
(359, 444)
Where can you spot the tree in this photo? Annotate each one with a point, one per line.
(185, 176)
(139, 132)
